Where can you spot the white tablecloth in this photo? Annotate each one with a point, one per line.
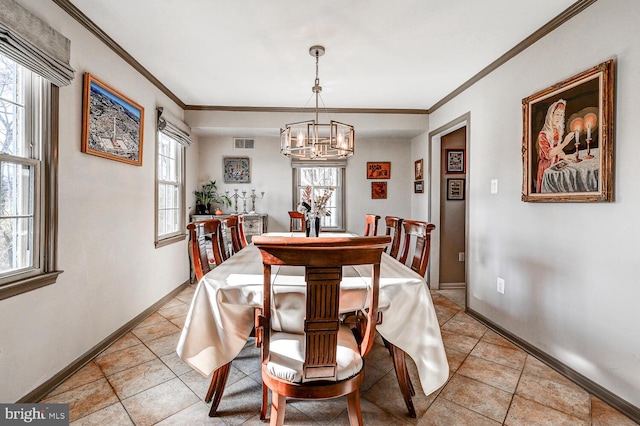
(221, 315)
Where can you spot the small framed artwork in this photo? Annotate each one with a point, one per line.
(454, 160)
(567, 144)
(379, 170)
(112, 123)
(418, 186)
(418, 169)
(455, 189)
(378, 190)
(237, 169)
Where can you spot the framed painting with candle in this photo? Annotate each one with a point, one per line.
(567, 143)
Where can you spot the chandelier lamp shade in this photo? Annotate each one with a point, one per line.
(312, 140)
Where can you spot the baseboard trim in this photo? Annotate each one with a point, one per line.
(452, 286)
(41, 391)
(607, 396)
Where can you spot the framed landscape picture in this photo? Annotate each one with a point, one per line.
(418, 186)
(379, 170)
(237, 169)
(567, 143)
(378, 190)
(112, 124)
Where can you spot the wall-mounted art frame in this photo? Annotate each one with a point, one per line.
(112, 124)
(455, 189)
(418, 169)
(378, 190)
(378, 170)
(567, 144)
(236, 169)
(418, 186)
(454, 160)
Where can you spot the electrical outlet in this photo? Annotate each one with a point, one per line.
(500, 287)
(461, 256)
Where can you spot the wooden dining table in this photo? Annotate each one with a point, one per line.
(221, 315)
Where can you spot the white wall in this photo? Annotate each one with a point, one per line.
(112, 270)
(571, 285)
(271, 172)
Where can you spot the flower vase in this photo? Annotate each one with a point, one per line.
(312, 225)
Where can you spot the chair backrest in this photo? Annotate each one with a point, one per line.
(371, 221)
(417, 240)
(205, 244)
(394, 228)
(241, 236)
(294, 217)
(232, 224)
(323, 259)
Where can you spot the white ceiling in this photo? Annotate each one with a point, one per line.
(404, 54)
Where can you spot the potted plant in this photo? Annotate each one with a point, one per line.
(208, 198)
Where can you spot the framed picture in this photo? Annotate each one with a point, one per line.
(237, 169)
(418, 169)
(454, 160)
(418, 186)
(379, 170)
(111, 123)
(567, 143)
(378, 190)
(455, 189)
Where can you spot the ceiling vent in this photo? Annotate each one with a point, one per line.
(243, 143)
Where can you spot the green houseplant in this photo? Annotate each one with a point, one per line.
(208, 198)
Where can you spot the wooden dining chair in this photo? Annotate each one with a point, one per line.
(294, 217)
(205, 244)
(325, 360)
(234, 238)
(371, 221)
(416, 244)
(205, 239)
(393, 227)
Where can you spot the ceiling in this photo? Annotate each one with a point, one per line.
(405, 54)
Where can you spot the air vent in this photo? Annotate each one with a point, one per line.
(243, 143)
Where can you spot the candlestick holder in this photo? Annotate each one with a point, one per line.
(577, 159)
(253, 197)
(235, 197)
(588, 156)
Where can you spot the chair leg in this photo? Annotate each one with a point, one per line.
(353, 408)
(216, 388)
(265, 400)
(278, 404)
(402, 373)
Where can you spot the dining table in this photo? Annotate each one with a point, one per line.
(221, 315)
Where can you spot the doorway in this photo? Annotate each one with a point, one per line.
(449, 171)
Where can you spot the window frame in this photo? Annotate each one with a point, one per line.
(340, 191)
(180, 234)
(42, 121)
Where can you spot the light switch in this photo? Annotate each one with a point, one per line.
(494, 186)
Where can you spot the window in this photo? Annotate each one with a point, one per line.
(170, 186)
(321, 178)
(27, 179)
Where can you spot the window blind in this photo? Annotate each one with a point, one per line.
(32, 43)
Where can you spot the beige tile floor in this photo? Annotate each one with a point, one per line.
(139, 380)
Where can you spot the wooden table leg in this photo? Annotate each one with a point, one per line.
(216, 388)
(402, 373)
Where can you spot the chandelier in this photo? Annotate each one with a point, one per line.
(312, 140)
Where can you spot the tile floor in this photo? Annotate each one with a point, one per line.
(139, 380)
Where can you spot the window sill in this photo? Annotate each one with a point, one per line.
(170, 240)
(23, 286)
